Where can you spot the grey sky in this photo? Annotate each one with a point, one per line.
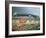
(26, 10)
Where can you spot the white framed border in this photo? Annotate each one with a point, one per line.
(25, 32)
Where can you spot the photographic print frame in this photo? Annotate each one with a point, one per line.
(8, 12)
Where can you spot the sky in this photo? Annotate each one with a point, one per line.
(26, 10)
